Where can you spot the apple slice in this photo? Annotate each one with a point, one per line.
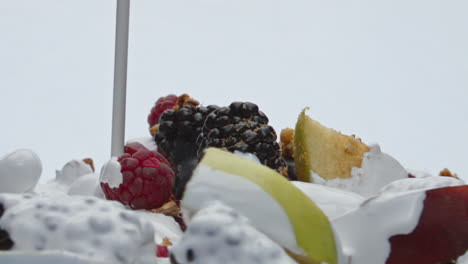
(441, 235)
(325, 151)
(424, 226)
(273, 205)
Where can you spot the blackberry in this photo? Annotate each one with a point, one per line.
(176, 138)
(242, 127)
(5, 241)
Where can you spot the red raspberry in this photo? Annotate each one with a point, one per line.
(147, 179)
(161, 105)
(133, 147)
(162, 251)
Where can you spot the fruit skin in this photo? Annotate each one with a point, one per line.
(324, 151)
(242, 127)
(441, 235)
(161, 105)
(147, 180)
(176, 138)
(310, 227)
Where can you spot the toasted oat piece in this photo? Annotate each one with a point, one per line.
(287, 143)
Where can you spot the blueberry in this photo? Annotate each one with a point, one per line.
(173, 259)
(90, 201)
(100, 225)
(5, 241)
(190, 255)
(51, 223)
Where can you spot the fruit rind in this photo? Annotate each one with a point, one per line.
(300, 151)
(312, 228)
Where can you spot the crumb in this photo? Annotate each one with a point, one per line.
(287, 143)
(184, 100)
(90, 162)
(154, 129)
(170, 209)
(166, 241)
(447, 173)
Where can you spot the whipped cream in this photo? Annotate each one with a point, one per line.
(47, 257)
(333, 202)
(463, 259)
(75, 178)
(19, 171)
(103, 231)
(247, 155)
(87, 185)
(111, 174)
(71, 171)
(365, 233)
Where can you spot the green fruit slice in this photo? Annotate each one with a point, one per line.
(241, 183)
(324, 151)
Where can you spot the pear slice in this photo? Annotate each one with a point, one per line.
(274, 205)
(325, 151)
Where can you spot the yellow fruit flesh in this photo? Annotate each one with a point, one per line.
(325, 151)
(311, 226)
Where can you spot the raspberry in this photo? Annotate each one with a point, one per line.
(147, 179)
(161, 105)
(242, 127)
(132, 148)
(162, 251)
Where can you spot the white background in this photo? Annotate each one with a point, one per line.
(391, 72)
